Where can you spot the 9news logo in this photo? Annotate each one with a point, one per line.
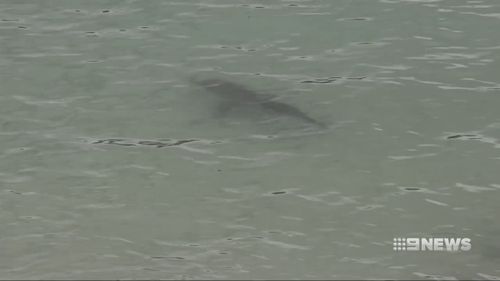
(431, 244)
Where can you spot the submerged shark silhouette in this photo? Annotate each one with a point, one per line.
(235, 95)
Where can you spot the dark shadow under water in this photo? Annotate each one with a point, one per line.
(237, 103)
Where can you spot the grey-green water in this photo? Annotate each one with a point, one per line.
(409, 91)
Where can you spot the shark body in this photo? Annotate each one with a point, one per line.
(234, 95)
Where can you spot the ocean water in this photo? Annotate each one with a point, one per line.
(115, 165)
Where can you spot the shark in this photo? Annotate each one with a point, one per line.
(233, 95)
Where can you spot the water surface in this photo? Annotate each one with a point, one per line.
(114, 166)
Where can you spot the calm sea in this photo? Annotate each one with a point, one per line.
(115, 164)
